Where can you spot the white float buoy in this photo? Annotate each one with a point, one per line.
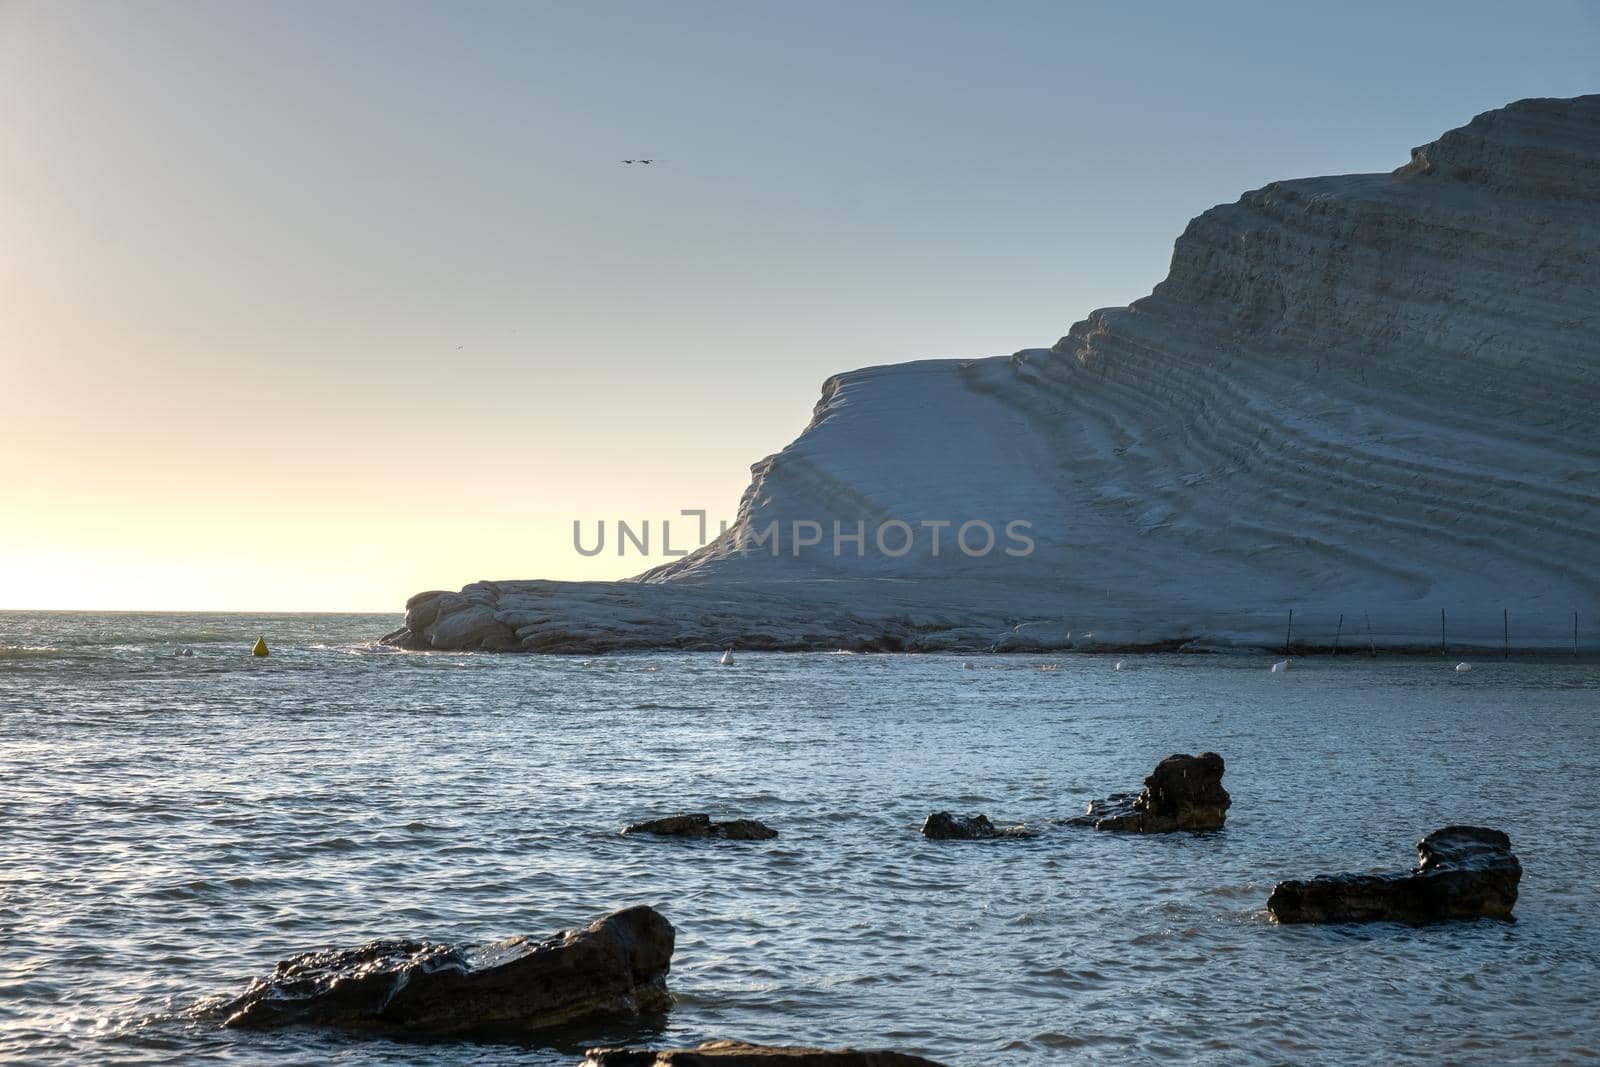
(1280, 666)
(1119, 665)
(727, 658)
(1463, 668)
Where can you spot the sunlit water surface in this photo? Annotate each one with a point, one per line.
(172, 826)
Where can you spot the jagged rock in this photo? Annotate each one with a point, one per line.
(1463, 872)
(616, 966)
(943, 826)
(1182, 793)
(739, 1054)
(1368, 395)
(700, 825)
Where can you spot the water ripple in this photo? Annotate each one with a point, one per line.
(176, 825)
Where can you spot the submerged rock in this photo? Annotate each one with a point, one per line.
(739, 1054)
(1182, 793)
(616, 966)
(1463, 872)
(943, 826)
(700, 825)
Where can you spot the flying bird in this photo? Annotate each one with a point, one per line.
(639, 161)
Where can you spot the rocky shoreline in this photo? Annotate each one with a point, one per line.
(1366, 400)
(604, 618)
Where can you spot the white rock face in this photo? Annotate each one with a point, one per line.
(1371, 396)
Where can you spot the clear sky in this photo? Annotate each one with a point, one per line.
(313, 305)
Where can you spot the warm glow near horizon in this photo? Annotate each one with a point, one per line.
(311, 307)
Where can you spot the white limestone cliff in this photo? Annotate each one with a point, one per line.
(1370, 396)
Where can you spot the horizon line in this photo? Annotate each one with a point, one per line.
(188, 611)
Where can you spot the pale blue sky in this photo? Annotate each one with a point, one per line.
(314, 304)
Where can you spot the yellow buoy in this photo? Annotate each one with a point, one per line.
(261, 648)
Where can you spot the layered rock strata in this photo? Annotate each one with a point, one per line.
(1367, 399)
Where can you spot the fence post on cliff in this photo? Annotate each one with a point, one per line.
(1337, 633)
(1444, 649)
(1288, 638)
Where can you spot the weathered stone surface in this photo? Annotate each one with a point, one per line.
(943, 826)
(1463, 872)
(423, 609)
(616, 966)
(1182, 793)
(700, 825)
(469, 626)
(739, 1054)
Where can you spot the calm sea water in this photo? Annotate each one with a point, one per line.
(173, 826)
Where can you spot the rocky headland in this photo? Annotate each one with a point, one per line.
(1368, 399)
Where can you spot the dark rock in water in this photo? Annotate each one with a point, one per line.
(1182, 793)
(700, 825)
(1463, 872)
(943, 826)
(616, 966)
(739, 1054)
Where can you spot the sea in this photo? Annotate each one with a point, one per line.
(171, 825)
